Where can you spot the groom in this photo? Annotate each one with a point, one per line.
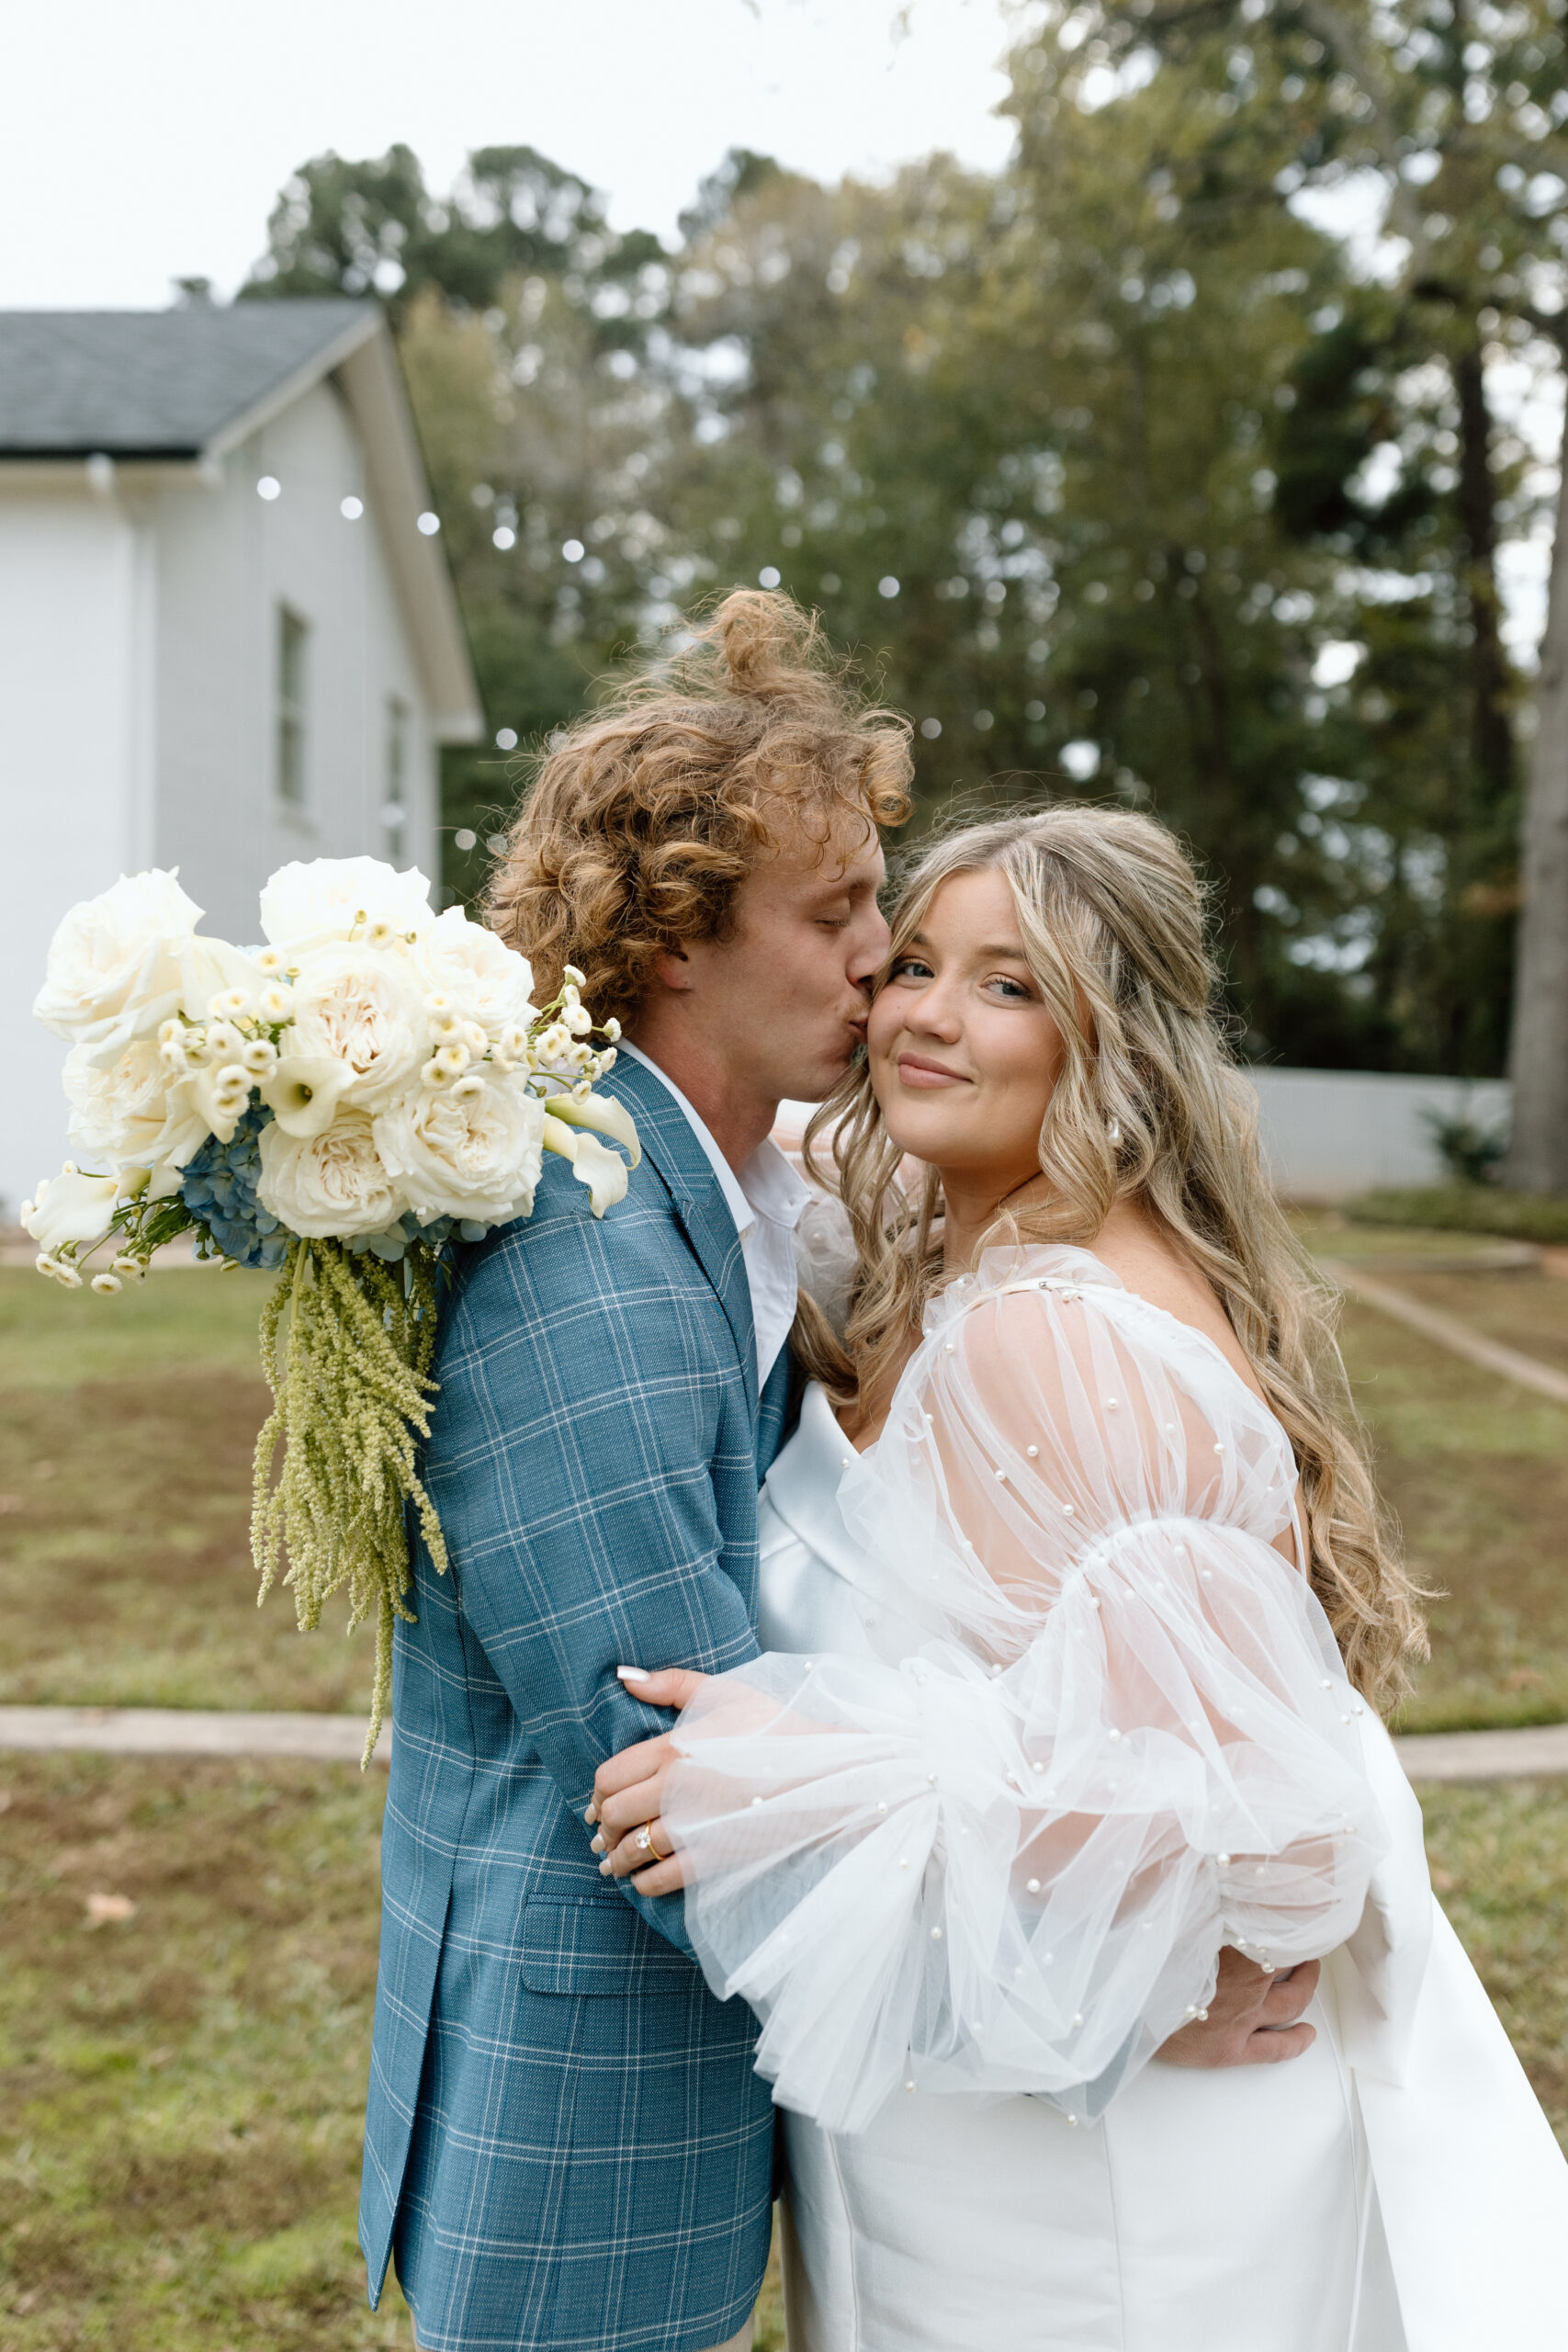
(566, 2144)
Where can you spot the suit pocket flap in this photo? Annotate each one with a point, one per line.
(598, 1946)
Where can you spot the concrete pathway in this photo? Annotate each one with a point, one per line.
(181, 1731)
(1544, 1378)
(169, 1731)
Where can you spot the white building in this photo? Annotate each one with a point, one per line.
(228, 635)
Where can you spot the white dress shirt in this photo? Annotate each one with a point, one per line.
(765, 1199)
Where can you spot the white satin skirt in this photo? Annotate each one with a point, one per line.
(1209, 2211)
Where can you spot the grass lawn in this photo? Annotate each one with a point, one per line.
(1476, 1470)
(125, 1430)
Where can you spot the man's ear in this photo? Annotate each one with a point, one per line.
(672, 970)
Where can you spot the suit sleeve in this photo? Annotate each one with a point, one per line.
(585, 1430)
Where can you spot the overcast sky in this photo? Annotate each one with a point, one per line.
(144, 142)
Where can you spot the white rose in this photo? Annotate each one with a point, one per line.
(471, 1150)
(363, 1007)
(113, 970)
(130, 1111)
(71, 1207)
(483, 978)
(305, 905)
(331, 1186)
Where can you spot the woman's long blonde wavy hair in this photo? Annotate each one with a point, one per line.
(1113, 922)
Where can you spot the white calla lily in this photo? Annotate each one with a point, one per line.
(211, 967)
(600, 1113)
(303, 1093)
(592, 1163)
(71, 1207)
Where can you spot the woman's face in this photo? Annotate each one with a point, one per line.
(965, 1057)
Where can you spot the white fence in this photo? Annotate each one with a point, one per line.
(1328, 1133)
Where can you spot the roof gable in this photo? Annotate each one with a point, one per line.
(160, 384)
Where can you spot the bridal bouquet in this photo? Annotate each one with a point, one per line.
(335, 1105)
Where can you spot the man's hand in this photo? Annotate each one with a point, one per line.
(1252, 2017)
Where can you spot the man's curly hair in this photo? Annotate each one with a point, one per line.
(646, 816)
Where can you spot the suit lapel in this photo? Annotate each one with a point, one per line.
(665, 1133)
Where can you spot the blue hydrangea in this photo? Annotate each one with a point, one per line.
(392, 1245)
(220, 1190)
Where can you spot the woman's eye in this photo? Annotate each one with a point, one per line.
(1014, 989)
(911, 967)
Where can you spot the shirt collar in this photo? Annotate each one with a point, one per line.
(766, 1187)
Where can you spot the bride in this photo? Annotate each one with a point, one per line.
(1078, 1622)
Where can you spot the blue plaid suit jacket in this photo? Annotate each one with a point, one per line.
(566, 2143)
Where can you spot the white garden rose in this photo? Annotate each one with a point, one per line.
(114, 963)
(483, 980)
(130, 1111)
(304, 905)
(468, 1150)
(363, 1007)
(331, 1186)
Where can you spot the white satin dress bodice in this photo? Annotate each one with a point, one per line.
(1241, 2211)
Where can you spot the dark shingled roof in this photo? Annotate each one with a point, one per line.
(150, 384)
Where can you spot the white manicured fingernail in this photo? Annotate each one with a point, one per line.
(597, 1847)
(592, 1815)
(632, 1673)
(605, 1867)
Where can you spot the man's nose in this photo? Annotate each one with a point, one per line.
(871, 949)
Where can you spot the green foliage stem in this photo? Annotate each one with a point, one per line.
(347, 1346)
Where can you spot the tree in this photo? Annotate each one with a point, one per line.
(373, 227)
(1078, 456)
(1458, 107)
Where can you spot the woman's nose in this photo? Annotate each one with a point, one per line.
(935, 1010)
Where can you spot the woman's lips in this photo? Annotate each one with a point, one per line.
(914, 1070)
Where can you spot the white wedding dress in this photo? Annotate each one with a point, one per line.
(1046, 1717)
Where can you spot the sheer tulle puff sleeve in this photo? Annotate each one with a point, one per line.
(1100, 1728)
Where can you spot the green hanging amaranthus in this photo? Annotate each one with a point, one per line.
(347, 1343)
